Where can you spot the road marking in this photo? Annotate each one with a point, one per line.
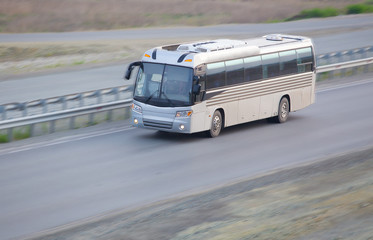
(63, 140)
(345, 85)
(98, 133)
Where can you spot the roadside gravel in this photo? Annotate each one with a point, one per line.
(329, 199)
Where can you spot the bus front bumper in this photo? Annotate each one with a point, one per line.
(175, 124)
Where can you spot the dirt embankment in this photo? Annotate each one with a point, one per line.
(82, 15)
(330, 199)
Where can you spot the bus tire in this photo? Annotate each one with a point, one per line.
(283, 110)
(216, 125)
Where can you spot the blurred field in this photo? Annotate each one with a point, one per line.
(33, 57)
(18, 16)
(331, 199)
(76, 15)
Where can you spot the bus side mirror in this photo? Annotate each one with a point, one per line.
(127, 75)
(197, 89)
(196, 79)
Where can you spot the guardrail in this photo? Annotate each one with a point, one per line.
(60, 103)
(344, 56)
(344, 65)
(70, 114)
(21, 120)
(70, 107)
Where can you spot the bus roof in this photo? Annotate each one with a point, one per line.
(196, 53)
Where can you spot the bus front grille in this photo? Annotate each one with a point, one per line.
(157, 124)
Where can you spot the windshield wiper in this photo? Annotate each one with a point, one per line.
(151, 96)
(171, 103)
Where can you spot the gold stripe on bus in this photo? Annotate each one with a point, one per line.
(262, 89)
(260, 82)
(259, 94)
(263, 86)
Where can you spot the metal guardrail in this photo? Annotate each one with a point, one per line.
(15, 115)
(60, 103)
(344, 65)
(51, 110)
(64, 114)
(344, 56)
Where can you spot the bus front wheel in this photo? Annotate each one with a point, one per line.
(216, 125)
(283, 111)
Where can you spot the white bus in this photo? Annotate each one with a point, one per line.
(209, 85)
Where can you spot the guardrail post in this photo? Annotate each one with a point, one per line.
(44, 105)
(355, 69)
(110, 115)
(10, 134)
(116, 92)
(327, 59)
(23, 108)
(52, 126)
(32, 130)
(91, 118)
(341, 59)
(72, 123)
(63, 102)
(99, 96)
(3, 112)
(366, 55)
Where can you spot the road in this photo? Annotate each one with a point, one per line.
(47, 184)
(330, 35)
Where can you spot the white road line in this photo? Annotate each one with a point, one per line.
(63, 140)
(127, 128)
(345, 85)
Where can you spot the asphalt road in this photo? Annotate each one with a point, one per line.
(47, 184)
(59, 180)
(330, 35)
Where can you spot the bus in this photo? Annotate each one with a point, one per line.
(206, 86)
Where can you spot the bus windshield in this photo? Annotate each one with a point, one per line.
(164, 85)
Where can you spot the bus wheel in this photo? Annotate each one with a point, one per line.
(283, 110)
(216, 125)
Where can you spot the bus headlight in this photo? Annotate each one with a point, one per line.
(184, 114)
(136, 108)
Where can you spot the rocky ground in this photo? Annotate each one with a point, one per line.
(329, 199)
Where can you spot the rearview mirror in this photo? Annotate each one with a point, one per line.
(196, 89)
(127, 75)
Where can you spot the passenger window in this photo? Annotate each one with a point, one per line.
(288, 62)
(215, 74)
(235, 72)
(253, 68)
(270, 65)
(304, 60)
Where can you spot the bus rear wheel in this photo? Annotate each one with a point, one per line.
(216, 125)
(283, 111)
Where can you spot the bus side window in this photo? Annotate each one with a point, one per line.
(215, 75)
(253, 68)
(288, 62)
(235, 72)
(270, 65)
(304, 60)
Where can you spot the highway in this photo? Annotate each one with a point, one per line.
(47, 184)
(53, 180)
(329, 35)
